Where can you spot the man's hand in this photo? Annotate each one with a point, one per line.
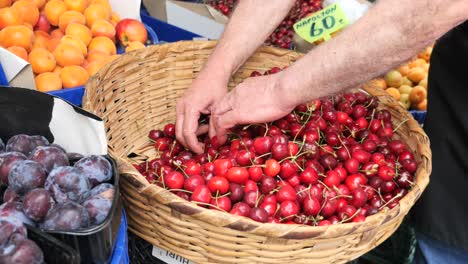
(256, 100)
(197, 100)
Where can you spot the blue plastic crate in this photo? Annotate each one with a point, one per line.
(120, 254)
(3, 79)
(420, 116)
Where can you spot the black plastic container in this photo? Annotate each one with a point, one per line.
(95, 244)
(88, 245)
(55, 251)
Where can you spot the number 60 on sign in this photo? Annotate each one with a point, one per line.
(321, 24)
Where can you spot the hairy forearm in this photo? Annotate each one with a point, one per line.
(379, 41)
(250, 25)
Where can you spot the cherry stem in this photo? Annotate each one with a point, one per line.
(324, 185)
(180, 190)
(181, 169)
(390, 201)
(341, 196)
(266, 129)
(372, 117)
(351, 217)
(347, 150)
(329, 152)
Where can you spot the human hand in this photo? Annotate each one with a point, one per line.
(205, 90)
(256, 100)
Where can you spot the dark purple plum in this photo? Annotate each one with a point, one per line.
(103, 190)
(2, 146)
(7, 160)
(10, 196)
(98, 209)
(10, 226)
(14, 210)
(50, 157)
(67, 184)
(97, 168)
(58, 146)
(26, 175)
(40, 141)
(37, 204)
(21, 143)
(20, 250)
(68, 216)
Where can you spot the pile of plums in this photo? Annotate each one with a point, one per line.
(45, 189)
(283, 35)
(331, 161)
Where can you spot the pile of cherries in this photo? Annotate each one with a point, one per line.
(283, 35)
(330, 161)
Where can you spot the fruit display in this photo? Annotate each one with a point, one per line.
(66, 41)
(283, 35)
(45, 187)
(331, 161)
(408, 83)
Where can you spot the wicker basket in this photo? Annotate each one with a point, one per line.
(138, 92)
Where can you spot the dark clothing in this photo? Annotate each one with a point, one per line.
(442, 211)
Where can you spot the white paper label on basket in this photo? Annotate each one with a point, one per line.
(169, 257)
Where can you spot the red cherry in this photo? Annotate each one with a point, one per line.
(241, 209)
(355, 181)
(294, 180)
(292, 149)
(162, 144)
(279, 151)
(386, 173)
(251, 198)
(309, 176)
(324, 223)
(361, 156)
(218, 184)
(341, 172)
(258, 214)
(237, 193)
(329, 208)
(272, 168)
(193, 182)
(332, 179)
(244, 157)
(262, 145)
(237, 175)
(269, 207)
(221, 166)
(201, 194)
(174, 180)
(192, 168)
(311, 206)
(311, 136)
(288, 169)
(406, 155)
(255, 173)
(352, 166)
(223, 203)
(370, 169)
(169, 130)
(286, 193)
(288, 209)
(409, 165)
(268, 184)
(155, 134)
(250, 186)
(359, 197)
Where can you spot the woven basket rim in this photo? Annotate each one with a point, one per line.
(293, 231)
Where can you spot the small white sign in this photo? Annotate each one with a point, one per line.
(169, 257)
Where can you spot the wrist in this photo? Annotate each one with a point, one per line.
(289, 90)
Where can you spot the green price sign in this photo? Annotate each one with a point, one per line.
(321, 24)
